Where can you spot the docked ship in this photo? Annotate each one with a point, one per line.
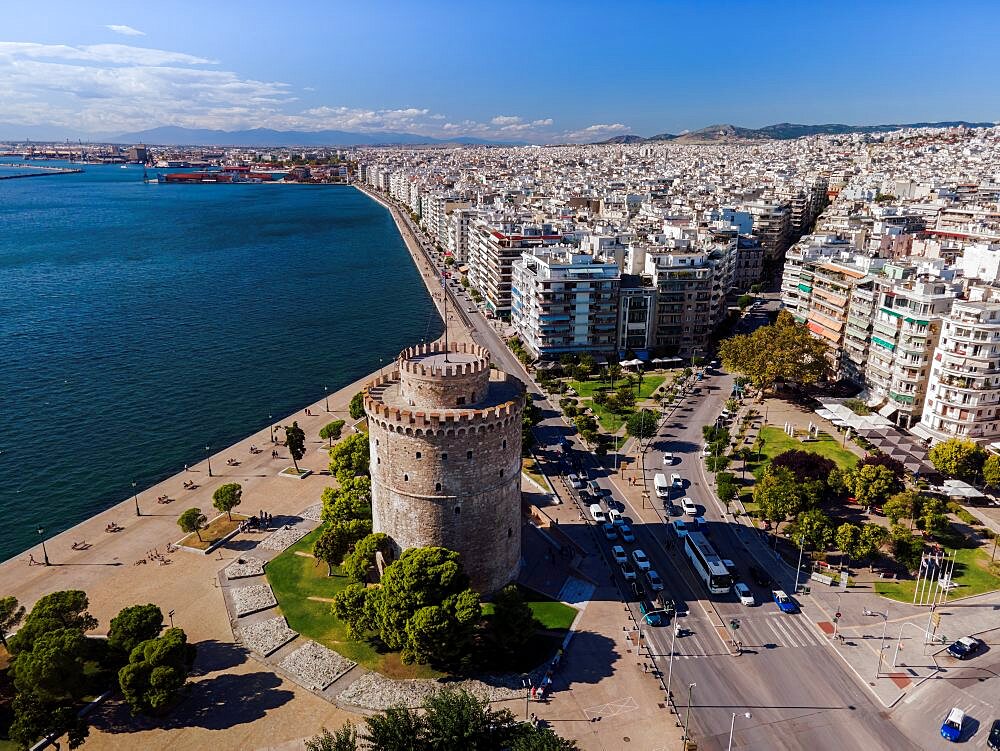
(226, 175)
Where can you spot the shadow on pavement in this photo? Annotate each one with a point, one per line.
(214, 656)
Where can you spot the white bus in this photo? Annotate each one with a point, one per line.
(707, 563)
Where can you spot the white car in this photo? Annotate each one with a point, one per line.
(745, 595)
(615, 516)
(639, 556)
(628, 571)
(597, 513)
(689, 508)
(626, 532)
(706, 450)
(668, 459)
(619, 554)
(655, 582)
(676, 480)
(575, 482)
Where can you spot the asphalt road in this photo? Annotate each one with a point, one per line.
(796, 691)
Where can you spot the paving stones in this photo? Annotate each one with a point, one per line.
(284, 537)
(313, 513)
(244, 566)
(256, 597)
(265, 637)
(374, 691)
(315, 666)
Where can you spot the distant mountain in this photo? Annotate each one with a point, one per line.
(785, 131)
(175, 135)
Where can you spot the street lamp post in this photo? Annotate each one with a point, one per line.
(326, 397)
(732, 727)
(45, 553)
(670, 668)
(270, 426)
(526, 682)
(135, 496)
(881, 643)
(687, 718)
(207, 450)
(798, 569)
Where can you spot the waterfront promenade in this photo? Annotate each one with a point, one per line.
(235, 702)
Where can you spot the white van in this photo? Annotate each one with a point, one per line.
(661, 486)
(597, 513)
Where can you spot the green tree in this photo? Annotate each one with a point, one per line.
(905, 505)
(775, 495)
(332, 431)
(357, 563)
(350, 605)
(350, 457)
(873, 483)
(336, 540)
(784, 351)
(814, 528)
(642, 424)
(295, 440)
(624, 399)
(54, 668)
(34, 719)
(743, 301)
(351, 500)
(959, 458)
(600, 397)
(132, 626)
(65, 609)
(848, 537)
(156, 672)
(873, 537)
(396, 729)
(513, 623)
(11, 614)
(726, 487)
(343, 739)
(357, 406)
(906, 547)
(192, 520)
(227, 497)
(991, 471)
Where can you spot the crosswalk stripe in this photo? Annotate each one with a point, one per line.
(802, 628)
(788, 634)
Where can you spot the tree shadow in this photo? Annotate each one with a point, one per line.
(214, 704)
(214, 656)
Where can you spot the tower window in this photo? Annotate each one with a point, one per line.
(406, 478)
(460, 401)
(376, 441)
(468, 454)
(505, 443)
(418, 454)
(437, 486)
(510, 533)
(458, 510)
(444, 457)
(378, 459)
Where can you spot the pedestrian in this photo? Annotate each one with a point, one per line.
(31, 559)
(534, 693)
(185, 468)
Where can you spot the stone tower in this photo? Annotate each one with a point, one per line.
(445, 437)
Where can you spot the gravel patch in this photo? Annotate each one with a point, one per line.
(247, 600)
(243, 567)
(283, 538)
(313, 512)
(374, 691)
(315, 666)
(265, 637)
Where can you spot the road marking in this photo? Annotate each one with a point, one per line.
(787, 631)
(612, 708)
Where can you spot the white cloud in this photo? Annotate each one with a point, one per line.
(595, 132)
(118, 88)
(125, 30)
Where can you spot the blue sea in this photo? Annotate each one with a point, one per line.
(140, 323)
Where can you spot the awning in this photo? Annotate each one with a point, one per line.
(888, 410)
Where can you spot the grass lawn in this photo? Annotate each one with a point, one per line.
(607, 419)
(530, 468)
(295, 578)
(972, 574)
(649, 384)
(216, 530)
(552, 614)
(776, 442)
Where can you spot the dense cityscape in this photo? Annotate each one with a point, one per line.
(392, 388)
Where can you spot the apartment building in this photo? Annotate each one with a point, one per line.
(909, 306)
(771, 227)
(563, 300)
(636, 314)
(963, 392)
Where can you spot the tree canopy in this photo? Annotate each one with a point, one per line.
(959, 458)
(991, 471)
(775, 494)
(642, 424)
(805, 465)
(350, 457)
(357, 563)
(227, 497)
(351, 500)
(132, 626)
(338, 538)
(784, 351)
(332, 431)
(295, 440)
(872, 484)
(156, 671)
(357, 406)
(192, 520)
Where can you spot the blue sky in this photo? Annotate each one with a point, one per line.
(539, 71)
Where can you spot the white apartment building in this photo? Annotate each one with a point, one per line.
(963, 393)
(565, 301)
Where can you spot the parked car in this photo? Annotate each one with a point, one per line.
(626, 532)
(619, 554)
(951, 728)
(615, 516)
(597, 513)
(668, 459)
(680, 528)
(650, 614)
(636, 588)
(700, 525)
(966, 647)
(676, 480)
(785, 603)
(689, 507)
(640, 558)
(655, 582)
(993, 741)
(610, 531)
(628, 570)
(745, 595)
(594, 488)
(575, 481)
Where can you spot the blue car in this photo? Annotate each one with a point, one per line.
(951, 728)
(785, 603)
(652, 615)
